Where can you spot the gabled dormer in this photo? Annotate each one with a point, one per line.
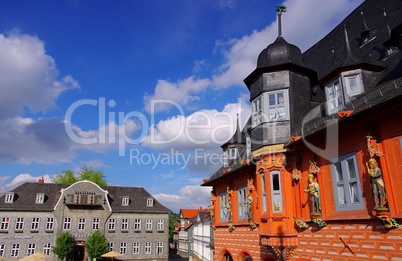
(367, 35)
(9, 197)
(393, 44)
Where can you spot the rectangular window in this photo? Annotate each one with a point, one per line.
(2, 248)
(225, 158)
(125, 201)
(248, 147)
(95, 223)
(160, 224)
(277, 110)
(348, 192)
(19, 224)
(124, 224)
(257, 113)
(137, 224)
(232, 153)
(49, 223)
(148, 224)
(223, 214)
(353, 84)
(136, 248)
(110, 245)
(40, 198)
(264, 194)
(276, 192)
(35, 224)
(242, 203)
(31, 249)
(67, 223)
(159, 248)
(111, 224)
(15, 250)
(123, 248)
(47, 248)
(81, 223)
(150, 202)
(335, 99)
(9, 197)
(147, 248)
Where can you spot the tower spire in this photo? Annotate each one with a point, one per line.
(279, 10)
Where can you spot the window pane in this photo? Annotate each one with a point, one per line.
(351, 168)
(272, 99)
(280, 98)
(338, 172)
(275, 181)
(341, 195)
(353, 193)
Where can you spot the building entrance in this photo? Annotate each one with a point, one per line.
(79, 250)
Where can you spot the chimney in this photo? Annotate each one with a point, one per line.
(41, 180)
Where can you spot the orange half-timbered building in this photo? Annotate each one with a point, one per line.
(315, 174)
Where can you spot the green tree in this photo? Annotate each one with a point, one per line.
(96, 245)
(85, 173)
(173, 220)
(64, 246)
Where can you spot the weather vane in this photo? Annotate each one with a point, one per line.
(279, 10)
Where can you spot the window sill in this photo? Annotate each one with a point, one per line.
(3, 231)
(149, 231)
(161, 231)
(124, 231)
(18, 231)
(137, 231)
(111, 231)
(34, 231)
(49, 231)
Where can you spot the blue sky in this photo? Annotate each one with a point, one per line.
(147, 91)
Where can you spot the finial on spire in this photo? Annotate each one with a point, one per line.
(386, 21)
(279, 10)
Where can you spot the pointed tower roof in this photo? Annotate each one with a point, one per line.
(237, 138)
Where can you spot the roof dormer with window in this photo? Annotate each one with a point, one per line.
(9, 197)
(40, 198)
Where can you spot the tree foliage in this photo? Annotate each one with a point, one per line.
(173, 220)
(96, 245)
(64, 246)
(85, 173)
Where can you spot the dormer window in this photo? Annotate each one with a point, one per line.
(232, 153)
(269, 107)
(334, 94)
(150, 202)
(390, 49)
(40, 198)
(125, 201)
(367, 36)
(9, 198)
(353, 84)
(248, 147)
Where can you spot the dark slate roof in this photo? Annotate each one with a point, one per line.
(237, 138)
(331, 51)
(25, 196)
(280, 52)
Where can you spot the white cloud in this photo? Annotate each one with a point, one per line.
(20, 179)
(28, 76)
(190, 197)
(202, 129)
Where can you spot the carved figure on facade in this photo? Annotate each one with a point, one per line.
(377, 184)
(250, 188)
(296, 173)
(373, 147)
(211, 207)
(314, 191)
(229, 195)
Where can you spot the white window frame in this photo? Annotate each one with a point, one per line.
(19, 224)
(276, 191)
(150, 202)
(67, 223)
(248, 147)
(266, 109)
(124, 224)
(225, 158)
(110, 245)
(350, 90)
(137, 224)
(47, 248)
(160, 225)
(232, 153)
(2, 249)
(346, 183)
(148, 224)
(136, 248)
(264, 193)
(111, 226)
(223, 211)
(5, 223)
(123, 248)
(31, 249)
(81, 223)
(242, 203)
(125, 201)
(159, 248)
(257, 111)
(40, 198)
(334, 96)
(9, 198)
(15, 250)
(49, 223)
(148, 248)
(95, 223)
(35, 224)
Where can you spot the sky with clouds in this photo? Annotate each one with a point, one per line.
(146, 91)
